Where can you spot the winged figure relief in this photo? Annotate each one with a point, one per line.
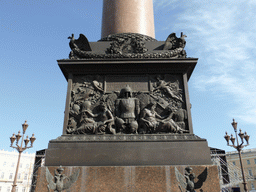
(186, 181)
(60, 182)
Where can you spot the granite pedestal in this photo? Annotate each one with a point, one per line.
(133, 156)
(128, 150)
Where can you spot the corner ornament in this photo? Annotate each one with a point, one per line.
(60, 182)
(172, 43)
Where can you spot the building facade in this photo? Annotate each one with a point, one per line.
(8, 163)
(249, 164)
(218, 157)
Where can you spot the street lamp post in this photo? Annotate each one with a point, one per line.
(238, 147)
(20, 149)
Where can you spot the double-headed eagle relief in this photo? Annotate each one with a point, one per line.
(127, 45)
(60, 182)
(104, 105)
(187, 182)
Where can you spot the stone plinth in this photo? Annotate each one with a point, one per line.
(128, 150)
(131, 178)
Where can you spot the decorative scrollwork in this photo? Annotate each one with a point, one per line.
(127, 45)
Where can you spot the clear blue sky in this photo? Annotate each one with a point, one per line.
(34, 33)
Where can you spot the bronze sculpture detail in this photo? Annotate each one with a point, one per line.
(60, 182)
(152, 122)
(90, 123)
(172, 43)
(95, 110)
(168, 88)
(128, 45)
(186, 181)
(127, 112)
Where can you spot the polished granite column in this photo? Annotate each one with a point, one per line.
(128, 16)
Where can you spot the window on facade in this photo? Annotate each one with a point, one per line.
(2, 175)
(12, 164)
(252, 186)
(254, 161)
(234, 163)
(21, 165)
(26, 176)
(250, 172)
(0, 188)
(235, 173)
(23, 189)
(19, 175)
(27, 166)
(8, 189)
(248, 162)
(10, 176)
(4, 164)
(17, 189)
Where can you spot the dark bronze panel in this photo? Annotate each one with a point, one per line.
(136, 82)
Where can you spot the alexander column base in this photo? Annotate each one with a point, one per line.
(133, 178)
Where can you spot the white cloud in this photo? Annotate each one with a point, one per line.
(165, 3)
(224, 34)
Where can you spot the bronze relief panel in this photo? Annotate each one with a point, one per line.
(127, 104)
